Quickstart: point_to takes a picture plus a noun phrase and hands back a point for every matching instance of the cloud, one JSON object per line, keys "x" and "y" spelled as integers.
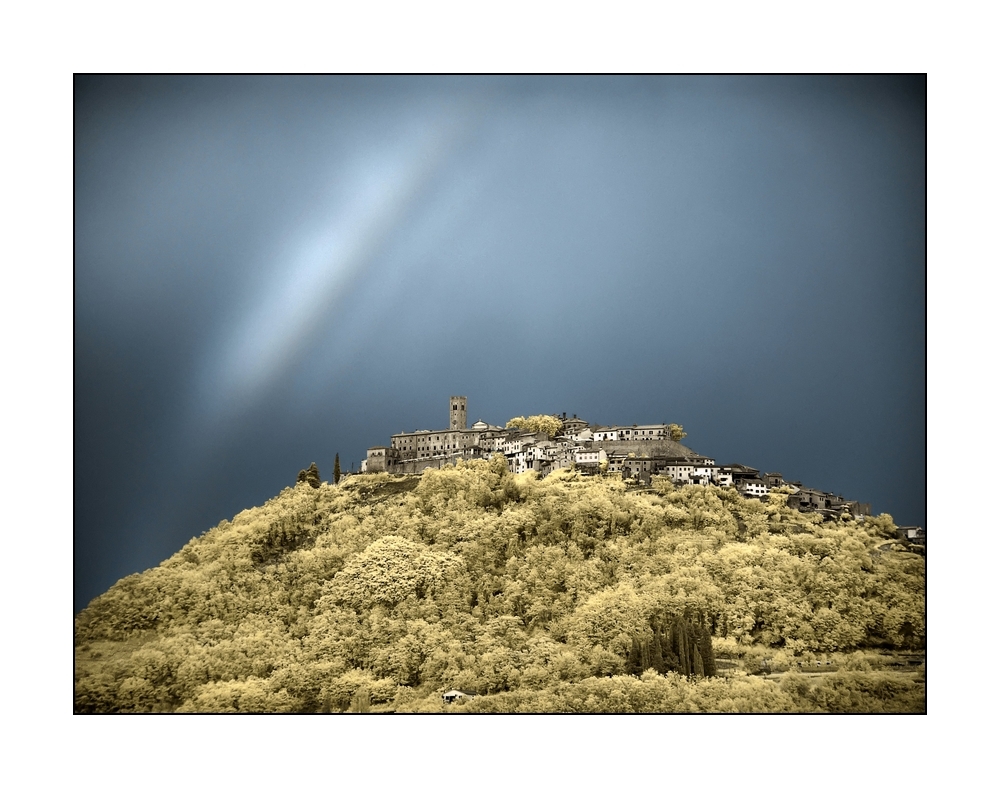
{"x": 319, "y": 268}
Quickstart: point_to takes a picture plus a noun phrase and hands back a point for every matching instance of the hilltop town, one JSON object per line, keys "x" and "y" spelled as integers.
{"x": 639, "y": 452}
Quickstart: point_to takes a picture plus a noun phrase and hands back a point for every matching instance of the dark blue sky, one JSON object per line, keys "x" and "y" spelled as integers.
{"x": 271, "y": 270}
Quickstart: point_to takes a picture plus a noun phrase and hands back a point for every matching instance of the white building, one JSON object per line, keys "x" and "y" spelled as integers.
{"x": 705, "y": 474}
{"x": 753, "y": 487}
{"x": 637, "y": 432}
{"x": 679, "y": 471}
{"x": 511, "y": 445}
{"x": 594, "y": 457}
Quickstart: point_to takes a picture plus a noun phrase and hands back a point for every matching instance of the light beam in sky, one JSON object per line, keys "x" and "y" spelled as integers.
{"x": 319, "y": 270}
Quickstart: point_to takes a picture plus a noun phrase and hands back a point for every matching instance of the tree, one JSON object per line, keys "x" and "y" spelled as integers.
{"x": 634, "y": 664}
{"x": 336, "y": 468}
{"x": 390, "y": 571}
{"x": 476, "y": 579}
{"x": 550, "y": 425}
{"x": 676, "y": 432}
{"x": 361, "y": 702}
{"x": 310, "y": 476}
{"x": 672, "y": 645}
{"x": 498, "y": 465}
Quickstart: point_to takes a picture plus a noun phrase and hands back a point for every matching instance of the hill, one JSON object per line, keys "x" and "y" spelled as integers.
{"x": 569, "y": 593}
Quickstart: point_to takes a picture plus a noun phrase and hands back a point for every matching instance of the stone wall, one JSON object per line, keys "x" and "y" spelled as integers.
{"x": 663, "y": 448}
{"x": 419, "y": 466}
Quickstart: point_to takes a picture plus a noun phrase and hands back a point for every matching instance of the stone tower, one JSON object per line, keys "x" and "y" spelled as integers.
{"x": 456, "y": 413}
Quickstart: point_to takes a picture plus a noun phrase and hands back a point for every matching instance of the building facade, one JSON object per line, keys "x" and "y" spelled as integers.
{"x": 638, "y": 452}
{"x": 457, "y": 413}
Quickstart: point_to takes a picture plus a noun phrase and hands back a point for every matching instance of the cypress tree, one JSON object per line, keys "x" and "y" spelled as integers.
{"x": 707, "y": 652}
{"x": 669, "y": 654}
{"x": 634, "y": 663}
{"x": 656, "y": 648}
{"x": 336, "y": 468}
{"x": 670, "y": 660}
{"x": 644, "y": 660}
{"x": 361, "y": 702}
{"x": 310, "y": 475}
{"x": 682, "y": 646}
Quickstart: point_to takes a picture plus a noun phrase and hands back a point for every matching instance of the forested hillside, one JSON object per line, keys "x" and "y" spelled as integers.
{"x": 564, "y": 594}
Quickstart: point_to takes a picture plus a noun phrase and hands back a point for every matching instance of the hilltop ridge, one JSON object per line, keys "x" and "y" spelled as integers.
{"x": 545, "y": 443}
{"x": 571, "y": 593}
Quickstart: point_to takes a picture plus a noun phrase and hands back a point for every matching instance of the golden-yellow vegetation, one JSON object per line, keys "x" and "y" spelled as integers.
{"x": 381, "y": 592}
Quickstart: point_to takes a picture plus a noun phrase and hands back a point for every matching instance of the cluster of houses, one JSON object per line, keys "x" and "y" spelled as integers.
{"x": 639, "y": 452}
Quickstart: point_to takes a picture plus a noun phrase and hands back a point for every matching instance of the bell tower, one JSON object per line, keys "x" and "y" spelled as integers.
{"x": 456, "y": 413}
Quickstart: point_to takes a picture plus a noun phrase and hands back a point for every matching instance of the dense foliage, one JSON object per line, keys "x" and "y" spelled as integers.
{"x": 676, "y": 432}
{"x": 310, "y": 476}
{"x": 550, "y": 425}
{"x": 564, "y": 594}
